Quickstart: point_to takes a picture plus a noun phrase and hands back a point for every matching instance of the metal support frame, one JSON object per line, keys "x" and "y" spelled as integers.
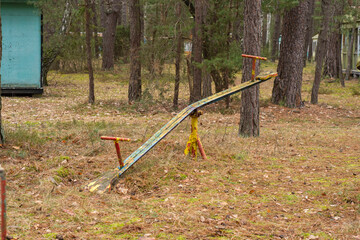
{"x": 254, "y": 58}
{"x": 117, "y": 147}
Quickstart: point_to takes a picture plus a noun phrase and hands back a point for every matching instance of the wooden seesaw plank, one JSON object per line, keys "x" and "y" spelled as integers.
{"x": 110, "y": 178}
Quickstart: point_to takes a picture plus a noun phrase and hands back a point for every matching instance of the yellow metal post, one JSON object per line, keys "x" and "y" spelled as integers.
{"x": 194, "y": 142}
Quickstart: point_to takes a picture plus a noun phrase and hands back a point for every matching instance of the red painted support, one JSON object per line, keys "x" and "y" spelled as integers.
{"x": 201, "y": 149}
{"x": 117, "y": 147}
{"x": 3, "y": 203}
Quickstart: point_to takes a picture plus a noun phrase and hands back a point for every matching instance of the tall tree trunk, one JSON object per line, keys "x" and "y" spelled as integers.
{"x": 152, "y": 65}
{"x": 327, "y": 12}
{"x": 249, "y": 112}
{"x": 111, "y": 14}
{"x": 237, "y": 33}
{"x": 332, "y": 65}
{"x": 88, "y": 51}
{"x": 275, "y": 37}
{"x": 124, "y": 13}
{"x": 142, "y": 24}
{"x": 206, "y": 81}
{"x": 350, "y": 53}
{"x": 135, "y": 44}
{"x": 287, "y": 86}
{"x": 339, "y": 61}
{"x": 178, "y": 57}
{"x": 197, "y": 51}
{"x": 102, "y": 13}
{"x": 1, "y": 127}
{"x": 95, "y": 28}
{"x": 309, "y": 32}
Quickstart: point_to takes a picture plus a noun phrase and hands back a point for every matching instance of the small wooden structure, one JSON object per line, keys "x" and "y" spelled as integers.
{"x": 21, "y": 45}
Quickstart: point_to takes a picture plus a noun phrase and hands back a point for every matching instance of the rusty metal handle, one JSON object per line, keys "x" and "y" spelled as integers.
{"x": 254, "y": 57}
{"x": 115, "y": 139}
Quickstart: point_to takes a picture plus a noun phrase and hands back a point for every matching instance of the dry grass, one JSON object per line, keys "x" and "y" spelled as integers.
{"x": 298, "y": 180}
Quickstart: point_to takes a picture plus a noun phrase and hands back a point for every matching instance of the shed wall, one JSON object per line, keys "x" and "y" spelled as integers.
{"x": 21, "y": 59}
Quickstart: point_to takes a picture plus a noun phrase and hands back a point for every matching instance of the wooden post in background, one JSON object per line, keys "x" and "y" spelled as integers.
{"x": 3, "y": 204}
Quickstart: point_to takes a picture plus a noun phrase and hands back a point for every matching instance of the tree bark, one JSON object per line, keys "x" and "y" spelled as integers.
{"x": 111, "y": 14}
{"x": 206, "y": 88}
{"x": 1, "y": 127}
{"x": 309, "y": 32}
{"x": 333, "y": 65}
{"x": 331, "y": 61}
{"x": 322, "y": 46}
{"x": 135, "y": 44}
{"x": 275, "y": 37}
{"x": 339, "y": 60}
{"x": 88, "y": 51}
{"x": 206, "y": 81}
{"x": 249, "y": 112}
{"x": 197, "y": 51}
{"x": 287, "y": 86}
{"x": 95, "y": 28}
{"x": 124, "y": 13}
{"x": 177, "y": 58}
{"x": 350, "y": 53}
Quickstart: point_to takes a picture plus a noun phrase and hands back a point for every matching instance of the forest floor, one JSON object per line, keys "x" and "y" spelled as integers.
{"x": 299, "y": 180}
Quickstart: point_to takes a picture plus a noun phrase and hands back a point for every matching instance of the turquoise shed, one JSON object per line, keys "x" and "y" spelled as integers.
{"x": 21, "y": 45}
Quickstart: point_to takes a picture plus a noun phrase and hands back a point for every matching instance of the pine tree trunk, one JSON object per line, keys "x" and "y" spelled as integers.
{"x": 95, "y": 29}
{"x": 275, "y": 38}
{"x": 350, "y": 53}
{"x": 88, "y": 51}
{"x": 109, "y": 35}
{"x": 249, "y": 112}
{"x": 322, "y": 47}
{"x": 330, "y": 63}
{"x": 124, "y": 13}
{"x": 339, "y": 61}
{"x": 333, "y": 64}
{"x": 287, "y": 86}
{"x": 1, "y": 127}
{"x": 152, "y": 65}
{"x": 309, "y": 32}
{"x": 177, "y": 59}
{"x": 206, "y": 88}
{"x": 206, "y": 81}
{"x": 197, "y": 52}
{"x": 135, "y": 45}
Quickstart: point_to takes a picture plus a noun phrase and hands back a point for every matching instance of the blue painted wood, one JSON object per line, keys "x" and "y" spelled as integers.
{"x": 21, "y": 59}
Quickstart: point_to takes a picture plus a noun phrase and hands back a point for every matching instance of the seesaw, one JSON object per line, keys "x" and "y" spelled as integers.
{"x": 110, "y": 178}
